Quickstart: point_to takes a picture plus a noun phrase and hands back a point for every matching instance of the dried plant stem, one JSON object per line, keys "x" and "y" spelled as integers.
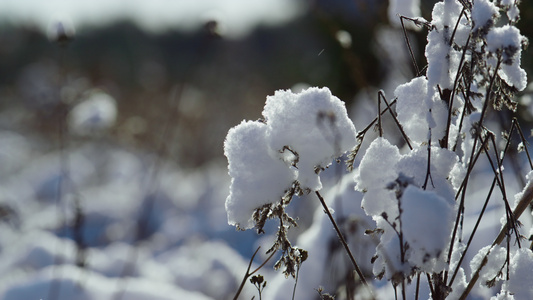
{"x": 381, "y": 97}
{"x": 450, "y": 101}
{"x": 295, "y": 281}
{"x": 524, "y": 141}
{"x": 248, "y": 273}
{"x": 343, "y": 241}
{"x": 463, "y": 254}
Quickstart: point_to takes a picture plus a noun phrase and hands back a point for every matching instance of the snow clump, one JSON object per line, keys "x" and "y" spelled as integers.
{"x": 300, "y": 135}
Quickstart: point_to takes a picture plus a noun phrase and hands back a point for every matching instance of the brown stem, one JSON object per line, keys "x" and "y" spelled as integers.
{"x": 248, "y": 273}
{"x": 343, "y": 241}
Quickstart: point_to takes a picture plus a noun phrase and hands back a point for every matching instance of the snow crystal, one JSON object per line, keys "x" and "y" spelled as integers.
{"x": 95, "y": 113}
{"x": 483, "y": 11}
{"x": 410, "y": 107}
{"x": 438, "y": 54}
{"x": 314, "y": 124}
{"x": 459, "y": 284}
{"x": 426, "y": 223}
{"x": 258, "y": 177}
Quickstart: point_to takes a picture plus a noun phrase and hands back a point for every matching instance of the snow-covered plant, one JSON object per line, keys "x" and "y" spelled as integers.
{"x": 419, "y": 193}
{"x": 280, "y": 156}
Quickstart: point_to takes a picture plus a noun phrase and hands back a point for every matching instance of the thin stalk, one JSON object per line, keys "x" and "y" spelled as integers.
{"x": 462, "y": 192}
{"x": 457, "y": 25}
{"x": 478, "y": 221}
{"x": 381, "y": 95}
{"x": 417, "y": 71}
{"x": 343, "y": 241}
{"x": 489, "y": 92}
{"x": 295, "y": 281}
{"x": 524, "y": 141}
{"x": 511, "y": 219}
{"x": 376, "y": 119}
{"x": 417, "y": 286}
{"x": 248, "y": 273}
{"x": 428, "y": 171}
{"x": 380, "y": 127}
{"x": 450, "y": 102}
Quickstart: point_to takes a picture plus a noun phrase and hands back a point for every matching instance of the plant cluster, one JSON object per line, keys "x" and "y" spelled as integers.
{"x": 419, "y": 193}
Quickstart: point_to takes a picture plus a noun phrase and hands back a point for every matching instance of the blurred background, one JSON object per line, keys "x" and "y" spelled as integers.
{"x": 113, "y": 116}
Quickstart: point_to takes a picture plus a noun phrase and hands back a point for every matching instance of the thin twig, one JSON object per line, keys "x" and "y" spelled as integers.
{"x": 380, "y": 126}
{"x": 462, "y": 192}
{"x": 295, "y": 281}
{"x": 450, "y": 101}
{"x": 413, "y": 59}
{"x": 381, "y": 95}
{"x": 248, "y": 273}
{"x": 456, "y": 26}
{"x": 524, "y": 141}
{"x": 428, "y": 171}
{"x": 343, "y": 241}
{"x": 472, "y": 234}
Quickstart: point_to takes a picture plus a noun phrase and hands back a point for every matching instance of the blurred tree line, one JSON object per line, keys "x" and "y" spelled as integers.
{"x": 198, "y": 83}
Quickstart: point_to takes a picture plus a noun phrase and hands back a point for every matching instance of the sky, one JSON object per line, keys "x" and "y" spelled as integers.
{"x": 236, "y": 17}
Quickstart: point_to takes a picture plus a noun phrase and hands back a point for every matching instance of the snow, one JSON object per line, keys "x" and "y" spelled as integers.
{"x": 66, "y": 280}
{"x": 188, "y": 250}
{"x": 520, "y": 274}
{"x": 322, "y": 117}
{"x": 424, "y": 216}
{"x": 258, "y": 176}
{"x": 382, "y": 156}
{"x": 483, "y": 13}
{"x": 426, "y": 223}
{"x": 327, "y": 262}
{"x": 412, "y": 104}
{"x": 508, "y": 40}
{"x": 496, "y": 259}
{"x": 442, "y": 59}
{"x": 527, "y": 188}
{"x": 513, "y": 13}
{"x": 265, "y": 158}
